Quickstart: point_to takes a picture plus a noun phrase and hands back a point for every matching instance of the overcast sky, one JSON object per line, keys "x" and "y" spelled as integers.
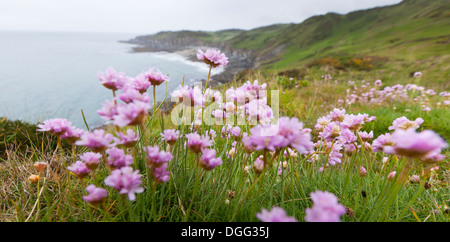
{"x": 151, "y": 16}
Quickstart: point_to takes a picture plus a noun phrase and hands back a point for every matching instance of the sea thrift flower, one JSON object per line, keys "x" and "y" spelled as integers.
{"x": 277, "y": 214}
{"x": 213, "y": 57}
{"x": 161, "y": 174}
{"x": 79, "y": 169}
{"x": 40, "y": 166}
{"x": 196, "y": 142}
{"x": 382, "y": 141}
{"x": 156, "y": 158}
{"x": 72, "y": 134}
{"x": 140, "y": 83}
{"x": 155, "y": 77}
{"x": 258, "y": 165}
{"x": 170, "y": 136}
{"x": 415, "y": 179}
{"x": 126, "y": 181}
{"x": 57, "y": 126}
{"x": 391, "y": 175}
{"x": 34, "y": 178}
{"x": 366, "y": 136}
{"x": 108, "y": 111}
{"x": 413, "y": 144}
{"x": 290, "y": 130}
{"x": 117, "y": 158}
{"x": 378, "y": 83}
{"x": 128, "y": 140}
{"x": 188, "y": 96}
{"x": 362, "y": 171}
{"x": 111, "y": 79}
{"x": 96, "y": 140}
{"x": 96, "y": 196}
{"x": 337, "y": 115}
{"x": 208, "y": 160}
{"x": 404, "y": 123}
{"x": 325, "y": 208}
{"x": 264, "y": 138}
{"x": 133, "y": 113}
{"x": 130, "y": 94}
{"x": 417, "y": 74}
{"x": 91, "y": 160}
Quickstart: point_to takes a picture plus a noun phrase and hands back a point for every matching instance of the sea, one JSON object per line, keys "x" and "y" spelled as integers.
{"x": 46, "y": 75}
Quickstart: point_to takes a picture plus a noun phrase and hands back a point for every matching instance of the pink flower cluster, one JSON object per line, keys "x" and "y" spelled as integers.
{"x": 213, "y": 57}
{"x": 277, "y": 214}
{"x": 325, "y": 208}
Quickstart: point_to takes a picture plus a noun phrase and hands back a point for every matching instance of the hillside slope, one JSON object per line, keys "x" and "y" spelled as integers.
{"x": 412, "y": 35}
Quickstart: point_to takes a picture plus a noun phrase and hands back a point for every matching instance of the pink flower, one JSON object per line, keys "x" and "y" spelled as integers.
{"x": 96, "y": 140}
{"x": 196, "y": 142}
{"x": 156, "y": 158}
{"x": 213, "y": 57}
{"x": 130, "y": 94}
{"x": 378, "y": 83}
{"x": 161, "y": 174}
{"x": 413, "y": 144}
{"x": 91, "y": 160}
{"x": 391, "y": 175}
{"x": 96, "y": 195}
{"x": 79, "y": 169}
{"x": 117, "y": 158}
{"x": 258, "y": 165}
{"x": 109, "y": 109}
{"x": 72, "y": 134}
{"x": 404, "y": 123}
{"x": 325, "y": 208}
{"x": 57, "y": 126}
{"x": 382, "y": 141}
{"x": 362, "y": 171}
{"x": 277, "y": 214}
{"x": 133, "y": 113}
{"x": 170, "y": 136}
{"x": 208, "y": 160}
{"x": 140, "y": 83}
{"x": 111, "y": 79}
{"x": 126, "y": 181}
{"x": 155, "y": 77}
{"x": 128, "y": 140}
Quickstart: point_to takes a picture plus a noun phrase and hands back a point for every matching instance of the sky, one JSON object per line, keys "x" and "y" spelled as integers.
{"x": 151, "y": 16}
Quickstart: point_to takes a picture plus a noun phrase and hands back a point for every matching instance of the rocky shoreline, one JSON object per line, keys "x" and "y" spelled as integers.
{"x": 239, "y": 60}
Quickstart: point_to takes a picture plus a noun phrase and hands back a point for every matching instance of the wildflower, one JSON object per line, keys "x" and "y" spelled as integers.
{"x": 213, "y": 57}
{"x": 337, "y": 115}
{"x": 231, "y": 153}
{"x": 130, "y": 94}
{"x": 96, "y": 195}
{"x": 196, "y": 142}
{"x": 40, "y": 166}
{"x": 415, "y": 179}
{"x": 155, "y": 77}
{"x": 161, "y": 174}
{"x": 384, "y": 140}
{"x": 72, "y": 134}
{"x": 325, "y": 208}
{"x": 91, "y": 160}
{"x": 133, "y": 113}
{"x": 353, "y": 122}
{"x": 290, "y": 129}
{"x": 57, "y": 126}
{"x": 264, "y": 138}
{"x": 404, "y": 123}
{"x": 426, "y": 109}
{"x": 417, "y": 74}
{"x": 208, "y": 160}
{"x": 391, "y": 175}
{"x": 277, "y": 214}
{"x": 259, "y": 165}
{"x": 413, "y": 144}
{"x": 378, "y": 83}
{"x": 96, "y": 140}
{"x": 126, "y": 181}
{"x": 156, "y": 158}
{"x": 140, "y": 83}
{"x": 112, "y": 79}
{"x": 128, "y": 140}
{"x": 366, "y": 136}
{"x": 34, "y": 178}
{"x": 79, "y": 169}
{"x": 117, "y": 158}
{"x": 108, "y": 111}
{"x": 362, "y": 171}
{"x": 170, "y": 136}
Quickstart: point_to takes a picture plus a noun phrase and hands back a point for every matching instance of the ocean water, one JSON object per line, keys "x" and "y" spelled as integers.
{"x": 48, "y": 75}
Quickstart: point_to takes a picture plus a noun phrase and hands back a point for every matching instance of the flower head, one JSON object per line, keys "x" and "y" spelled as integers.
{"x": 96, "y": 140}
{"x": 79, "y": 169}
{"x": 325, "y": 209}
{"x": 133, "y": 113}
{"x": 91, "y": 160}
{"x": 126, "y": 181}
{"x": 155, "y": 77}
{"x": 277, "y": 214}
{"x": 208, "y": 160}
{"x": 57, "y": 126}
{"x": 117, "y": 158}
{"x": 170, "y": 136}
{"x": 213, "y": 57}
{"x": 96, "y": 195}
{"x": 112, "y": 79}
